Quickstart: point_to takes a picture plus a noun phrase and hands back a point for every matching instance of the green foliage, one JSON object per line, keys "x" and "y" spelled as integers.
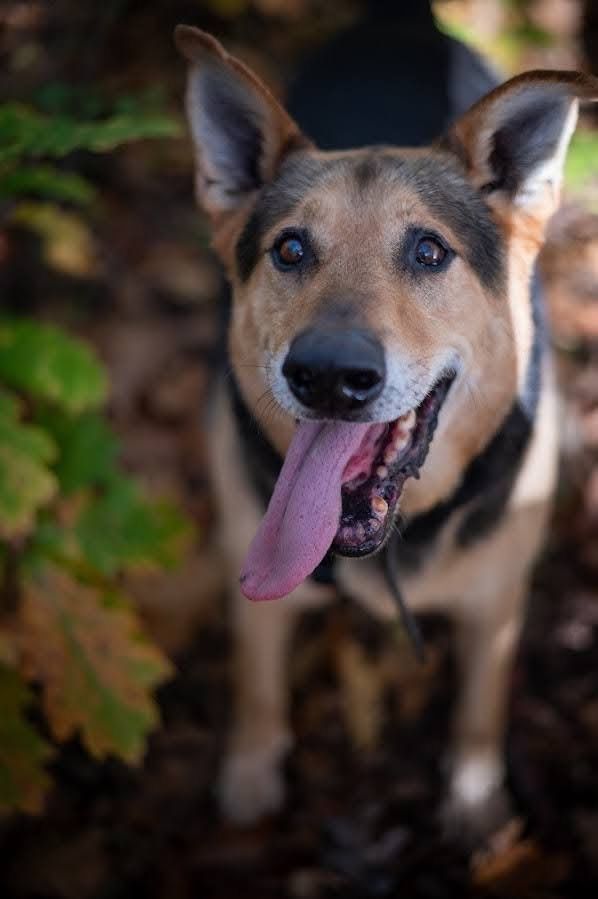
{"x": 48, "y": 365}
{"x": 47, "y": 182}
{"x": 26, "y": 482}
{"x": 70, "y": 525}
{"x": 26, "y": 133}
{"x": 68, "y": 121}
{"x": 23, "y": 780}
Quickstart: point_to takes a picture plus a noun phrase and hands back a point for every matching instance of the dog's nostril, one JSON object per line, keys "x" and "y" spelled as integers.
{"x": 361, "y": 379}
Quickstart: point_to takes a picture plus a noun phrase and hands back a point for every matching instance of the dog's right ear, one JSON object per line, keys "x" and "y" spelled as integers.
{"x": 241, "y": 133}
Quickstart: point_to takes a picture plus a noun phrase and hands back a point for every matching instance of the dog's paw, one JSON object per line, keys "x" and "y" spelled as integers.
{"x": 251, "y": 783}
{"x": 478, "y": 804}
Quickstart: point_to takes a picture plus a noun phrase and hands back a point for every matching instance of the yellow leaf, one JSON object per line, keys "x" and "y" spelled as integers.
{"x": 67, "y": 241}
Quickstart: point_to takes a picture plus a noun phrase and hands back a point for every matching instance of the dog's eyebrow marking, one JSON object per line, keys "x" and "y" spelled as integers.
{"x": 298, "y": 175}
{"x": 368, "y": 168}
{"x": 445, "y": 191}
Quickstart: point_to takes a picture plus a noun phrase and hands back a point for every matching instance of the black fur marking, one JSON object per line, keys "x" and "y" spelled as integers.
{"x": 528, "y": 137}
{"x": 367, "y": 170}
{"x": 298, "y": 174}
{"x": 445, "y": 190}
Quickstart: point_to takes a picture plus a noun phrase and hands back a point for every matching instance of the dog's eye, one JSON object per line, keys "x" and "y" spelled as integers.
{"x": 430, "y": 252}
{"x": 288, "y": 251}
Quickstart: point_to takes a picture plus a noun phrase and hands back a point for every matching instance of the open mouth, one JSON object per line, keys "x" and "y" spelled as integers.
{"x": 374, "y": 479}
{"x": 338, "y": 490}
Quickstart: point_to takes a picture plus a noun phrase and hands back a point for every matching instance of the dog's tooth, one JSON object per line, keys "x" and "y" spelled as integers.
{"x": 360, "y": 532}
{"x": 390, "y": 455}
{"x": 379, "y": 506}
{"x": 382, "y": 471}
{"x": 401, "y": 441}
{"x": 374, "y": 524}
{"x": 408, "y": 419}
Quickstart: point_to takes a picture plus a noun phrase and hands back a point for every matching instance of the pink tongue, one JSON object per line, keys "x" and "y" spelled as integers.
{"x": 303, "y": 516}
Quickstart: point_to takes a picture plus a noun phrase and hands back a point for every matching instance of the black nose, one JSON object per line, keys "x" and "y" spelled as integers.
{"x": 335, "y": 371}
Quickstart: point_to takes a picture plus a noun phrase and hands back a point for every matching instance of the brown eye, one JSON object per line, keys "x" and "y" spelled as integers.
{"x": 288, "y": 252}
{"x": 430, "y": 252}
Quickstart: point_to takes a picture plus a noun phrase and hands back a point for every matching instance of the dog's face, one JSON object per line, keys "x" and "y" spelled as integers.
{"x": 386, "y": 288}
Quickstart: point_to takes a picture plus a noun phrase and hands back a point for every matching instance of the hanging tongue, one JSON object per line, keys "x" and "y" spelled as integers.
{"x": 303, "y": 516}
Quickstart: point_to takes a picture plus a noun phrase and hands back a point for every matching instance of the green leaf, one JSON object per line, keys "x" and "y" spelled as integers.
{"x": 122, "y": 530}
{"x": 50, "y": 365}
{"x": 47, "y": 182}
{"x": 26, "y": 483}
{"x": 24, "y": 132}
{"x": 95, "y": 667}
{"x": 23, "y": 753}
{"x": 87, "y": 448}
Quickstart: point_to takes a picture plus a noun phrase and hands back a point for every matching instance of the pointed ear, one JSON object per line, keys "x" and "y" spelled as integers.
{"x": 514, "y": 141}
{"x": 240, "y": 132}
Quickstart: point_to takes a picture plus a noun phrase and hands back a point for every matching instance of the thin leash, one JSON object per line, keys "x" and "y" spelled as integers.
{"x": 391, "y": 573}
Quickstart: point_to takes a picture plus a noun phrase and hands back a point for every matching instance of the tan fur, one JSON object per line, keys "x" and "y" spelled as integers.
{"x": 483, "y": 586}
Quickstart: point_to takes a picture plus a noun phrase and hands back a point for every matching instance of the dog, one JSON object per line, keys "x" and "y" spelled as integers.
{"x": 390, "y": 372}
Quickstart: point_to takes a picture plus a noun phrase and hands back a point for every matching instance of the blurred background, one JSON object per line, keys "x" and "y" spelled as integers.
{"x": 114, "y": 644}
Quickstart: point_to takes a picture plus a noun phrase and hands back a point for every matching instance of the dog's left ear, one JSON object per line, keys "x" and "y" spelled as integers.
{"x": 514, "y": 141}
{"x": 240, "y": 132}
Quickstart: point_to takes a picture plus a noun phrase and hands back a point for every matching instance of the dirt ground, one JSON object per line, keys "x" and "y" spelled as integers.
{"x": 365, "y": 775}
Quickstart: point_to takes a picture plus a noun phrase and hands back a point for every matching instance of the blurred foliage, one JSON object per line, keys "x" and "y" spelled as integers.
{"x": 581, "y": 168}
{"x": 71, "y": 523}
{"x": 28, "y": 135}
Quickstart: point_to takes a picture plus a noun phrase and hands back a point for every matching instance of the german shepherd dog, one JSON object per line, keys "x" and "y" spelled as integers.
{"x": 391, "y": 410}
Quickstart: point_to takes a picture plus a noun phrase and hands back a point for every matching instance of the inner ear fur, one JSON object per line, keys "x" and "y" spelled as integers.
{"x": 240, "y": 132}
{"x": 513, "y": 142}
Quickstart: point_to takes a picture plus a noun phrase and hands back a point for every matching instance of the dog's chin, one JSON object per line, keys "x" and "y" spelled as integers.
{"x": 370, "y": 495}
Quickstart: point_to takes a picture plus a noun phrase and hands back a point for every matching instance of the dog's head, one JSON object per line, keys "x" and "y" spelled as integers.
{"x": 379, "y": 295}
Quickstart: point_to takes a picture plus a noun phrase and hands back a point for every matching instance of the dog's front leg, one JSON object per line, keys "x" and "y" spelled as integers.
{"x": 251, "y": 782}
{"x": 487, "y": 635}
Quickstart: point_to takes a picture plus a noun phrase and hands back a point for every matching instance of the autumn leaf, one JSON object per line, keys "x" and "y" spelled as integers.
{"x": 523, "y": 871}
{"x": 23, "y": 753}
{"x": 94, "y": 666}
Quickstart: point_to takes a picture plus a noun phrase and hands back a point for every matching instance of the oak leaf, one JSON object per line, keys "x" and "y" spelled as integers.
{"x": 95, "y": 668}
